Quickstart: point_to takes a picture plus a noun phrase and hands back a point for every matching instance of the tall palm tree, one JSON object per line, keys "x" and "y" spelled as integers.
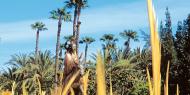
{"x": 109, "y": 40}
{"x": 109, "y": 46}
{"x": 59, "y": 14}
{"x": 39, "y": 26}
{"x": 72, "y": 4}
{"x": 128, "y": 35}
{"x": 86, "y": 41}
{"x": 77, "y": 5}
{"x": 81, "y": 4}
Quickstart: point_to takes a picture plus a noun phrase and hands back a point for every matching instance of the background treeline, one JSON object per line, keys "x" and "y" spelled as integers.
{"x": 176, "y": 49}
{"x": 175, "y": 46}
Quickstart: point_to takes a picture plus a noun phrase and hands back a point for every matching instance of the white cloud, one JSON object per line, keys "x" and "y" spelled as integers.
{"x": 21, "y": 31}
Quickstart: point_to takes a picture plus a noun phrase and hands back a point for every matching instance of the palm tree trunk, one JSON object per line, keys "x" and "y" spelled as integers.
{"x": 77, "y": 41}
{"x": 37, "y": 41}
{"x": 86, "y": 50}
{"x": 57, "y": 52}
{"x": 74, "y": 22}
{"x": 78, "y": 30}
{"x": 127, "y": 49}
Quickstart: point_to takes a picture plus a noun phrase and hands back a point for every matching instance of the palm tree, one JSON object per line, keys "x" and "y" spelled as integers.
{"x": 109, "y": 40}
{"x": 42, "y": 71}
{"x": 59, "y": 14}
{"x": 26, "y": 71}
{"x": 68, "y": 38}
{"x": 128, "y": 35}
{"x": 19, "y": 60}
{"x": 39, "y": 26}
{"x": 146, "y": 38}
{"x": 71, "y": 4}
{"x": 81, "y": 4}
{"x": 109, "y": 46}
{"x": 78, "y": 5}
{"x": 86, "y": 41}
{"x": 8, "y": 78}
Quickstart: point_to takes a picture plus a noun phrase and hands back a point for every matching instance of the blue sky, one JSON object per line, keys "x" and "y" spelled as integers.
{"x": 102, "y": 16}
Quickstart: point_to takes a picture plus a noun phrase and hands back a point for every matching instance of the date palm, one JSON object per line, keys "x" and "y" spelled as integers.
{"x": 26, "y": 71}
{"x": 87, "y": 41}
{"x": 146, "y": 38}
{"x": 68, "y": 38}
{"x": 77, "y": 5}
{"x": 8, "y": 78}
{"x": 59, "y": 14}
{"x": 42, "y": 71}
{"x": 39, "y": 26}
{"x": 109, "y": 40}
{"x": 109, "y": 46}
{"x": 128, "y": 35}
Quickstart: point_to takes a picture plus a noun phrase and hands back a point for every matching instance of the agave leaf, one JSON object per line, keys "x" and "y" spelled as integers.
{"x": 156, "y": 56}
{"x": 43, "y": 92}
{"x": 149, "y": 81}
{"x": 85, "y": 82}
{"x": 100, "y": 76}
{"x": 111, "y": 91}
{"x": 70, "y": 82}
{"x": 177, "y": 92}
{"x": 166, "y": 81}
{"x": 72, "y": 91}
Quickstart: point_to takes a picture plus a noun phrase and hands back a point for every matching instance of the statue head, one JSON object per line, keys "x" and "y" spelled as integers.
{"x": 70, "y": 45}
